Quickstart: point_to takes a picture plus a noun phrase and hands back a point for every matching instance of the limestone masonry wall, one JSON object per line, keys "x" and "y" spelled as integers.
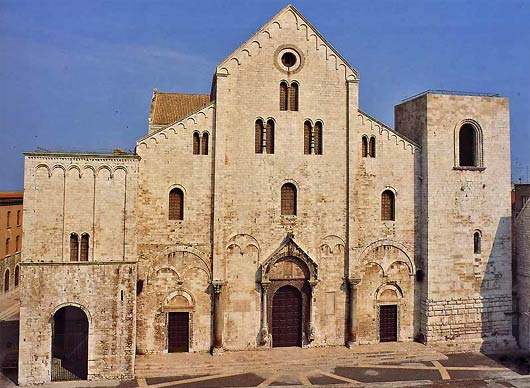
{"x": 79, "y": 193}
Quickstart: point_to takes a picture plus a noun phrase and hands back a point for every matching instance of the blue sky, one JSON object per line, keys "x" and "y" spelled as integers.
{"x": 78, "y": 75}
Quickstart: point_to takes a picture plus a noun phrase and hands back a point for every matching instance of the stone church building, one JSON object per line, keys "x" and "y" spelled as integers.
{"x": 271, "y": 212}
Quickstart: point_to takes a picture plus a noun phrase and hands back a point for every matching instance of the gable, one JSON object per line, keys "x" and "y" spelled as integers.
{"x": 287, "y": 17}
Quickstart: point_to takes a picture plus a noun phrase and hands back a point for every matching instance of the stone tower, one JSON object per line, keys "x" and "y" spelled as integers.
{"x": 464, "y": 215}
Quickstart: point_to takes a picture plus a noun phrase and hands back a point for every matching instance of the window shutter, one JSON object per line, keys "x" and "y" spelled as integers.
{"x": 283, "y": 96}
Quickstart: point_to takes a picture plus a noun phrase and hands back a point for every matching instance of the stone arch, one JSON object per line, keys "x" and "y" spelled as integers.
{"x": 478, "y": 146}
{"x": 384, "y": 288}
{"x": 290, "y": 250}
{"x": 242, "y": 241}
{"x": 73, "y": 304}
{"x": 180, "y": 299}
{"x": 385, "y": 263}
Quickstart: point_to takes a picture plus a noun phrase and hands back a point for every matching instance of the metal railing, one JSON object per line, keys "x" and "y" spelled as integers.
{"x": 451, "y": 93}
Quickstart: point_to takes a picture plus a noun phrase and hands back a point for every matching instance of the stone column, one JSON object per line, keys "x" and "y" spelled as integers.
{"x": 352, "y": 326}
{"x": 264, "y": 329}
{"x": 217, "y": 318}
{"x": 311, "y": 337}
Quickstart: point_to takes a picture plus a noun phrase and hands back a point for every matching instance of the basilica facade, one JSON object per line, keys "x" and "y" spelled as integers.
{"x": 271, "y": 212}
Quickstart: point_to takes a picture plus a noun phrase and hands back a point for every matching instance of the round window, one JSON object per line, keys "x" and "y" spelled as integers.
{"x": 288, "y": 59}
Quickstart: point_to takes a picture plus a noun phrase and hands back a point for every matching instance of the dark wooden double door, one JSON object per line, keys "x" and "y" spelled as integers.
{"x": 287, "y": 317}
{"x": 178, "y": 332}
{"x": 388, "y": 321}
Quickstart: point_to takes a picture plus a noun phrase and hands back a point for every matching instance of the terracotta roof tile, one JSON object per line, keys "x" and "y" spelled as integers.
{"x": 167, "y": 108}
{"x": 11, "y": 195}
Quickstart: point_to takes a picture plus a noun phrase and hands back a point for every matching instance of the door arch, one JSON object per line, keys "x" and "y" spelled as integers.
{"x": 287, "y": 317}
{"x": 69, "y": 344}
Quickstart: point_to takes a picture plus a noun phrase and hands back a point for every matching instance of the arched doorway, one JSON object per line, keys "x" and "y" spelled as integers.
{"x": 288, "y": 279}
{"x": 69, "y": 344}
{"x": 287, "y": 317}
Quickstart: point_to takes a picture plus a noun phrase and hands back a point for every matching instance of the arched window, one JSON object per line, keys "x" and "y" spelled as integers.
{"x": 8, "y": 219}
{"x": 258, "y": 133}
{"x": 18, "y": 218}
{"x": 284, "y": 96}
{"x": 288, "y": 200}
{"x": 17, "y": 244}
{"x": 204, "y": 144}
{"x": 477, "y": 242}
{"x": 17, "y": 275}
{"x": 269, "y": 136}
{"x": 308, "y": 131}
{"x": 85, "y": 241}
{"x": 467, "y": 141}
{"x": 6, "y": 280}
{"x": 7, "y": 246}
{"x": 176, "y": 204}
{"x": 364, "y": 146}
{"x": 317, "y": 133}
{"x": 388, "y": 206}
{"x": 196, "y": 143}
{"x": 293, "y": 96}
{"x": 372, "y": 147}
{"x": 74, "y": 247}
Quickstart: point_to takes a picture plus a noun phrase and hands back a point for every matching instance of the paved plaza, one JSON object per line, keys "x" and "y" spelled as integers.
{"x": 381, "y": 365}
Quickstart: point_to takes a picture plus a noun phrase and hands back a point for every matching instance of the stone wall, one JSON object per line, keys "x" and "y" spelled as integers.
{"x": 458, "y": 202}
{"x": 175, "y": 255}
{"x": 97, "y": 288}
{"x": 79, "y": 193}
{"x": 522, "y": 246}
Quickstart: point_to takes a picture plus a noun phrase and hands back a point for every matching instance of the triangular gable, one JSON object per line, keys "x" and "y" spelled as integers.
{"x": 289, "y": 248}
{"x": 254, "y": 44}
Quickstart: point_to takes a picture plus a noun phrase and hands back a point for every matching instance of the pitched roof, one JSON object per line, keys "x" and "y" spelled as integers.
{"x": 167, "y": 108}
{"x": 11, "y": 194}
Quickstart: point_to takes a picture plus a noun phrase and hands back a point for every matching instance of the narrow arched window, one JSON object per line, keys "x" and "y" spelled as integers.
{"x": 6, "y": 281}
{"x": 8, "y": 219}
{"x": 176, "y": 204}
{"x": 467, "y": 141}
{"x": 17, "y": 275}
{"x": 317, "y": 133}
{"x": 308, "y": 131}
{"x": 7, "y": 246}
{"x": 74, "y": 247}
{"x": 258, "y": 139}
{"x": 269, "y": 136}
{"x": 372, "y": 147}
{"x": 85, "y": 242}
{"x": 476, "y": 242}
{"x": 284, "y": 98}
{"x": 293, "y": 96}
{"x": 17, "y": 244}
{"x": 18, "y": 218}
{"x": 196, "y": 143}
{"x": 364, "y": 146}
{"x": 288, "y": 200}
{"x": 388, "y": 206}
{"x": 204, "y": 143}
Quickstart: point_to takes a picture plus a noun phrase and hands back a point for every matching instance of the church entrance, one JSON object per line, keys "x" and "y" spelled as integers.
{"x": 178, "y": 332}
{"x": 287, "y": 317}
{"x": 69, "y": 344}
{"x": 388, "y": 323}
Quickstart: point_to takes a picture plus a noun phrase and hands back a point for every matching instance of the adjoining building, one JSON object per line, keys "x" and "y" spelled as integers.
{"x": 521, "y": 235}
{"x": 11, "y": 239}
{"x": 11, "y": 213}
{"x": 272, "y": 212}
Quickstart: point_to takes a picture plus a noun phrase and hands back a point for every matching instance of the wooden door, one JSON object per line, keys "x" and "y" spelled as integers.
{"x": 388, "y": 323}
{"x": 287, "y": 317}
{"x": 178, "y": 332}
